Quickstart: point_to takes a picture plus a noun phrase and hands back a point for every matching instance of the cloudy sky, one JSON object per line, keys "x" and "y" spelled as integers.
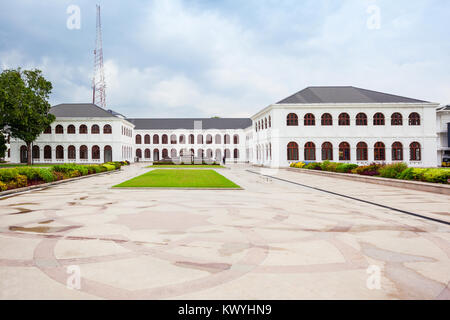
{"x": 202, "y": 58}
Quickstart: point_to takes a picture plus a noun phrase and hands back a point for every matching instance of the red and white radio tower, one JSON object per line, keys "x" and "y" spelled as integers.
{"x": 98, "y": 82}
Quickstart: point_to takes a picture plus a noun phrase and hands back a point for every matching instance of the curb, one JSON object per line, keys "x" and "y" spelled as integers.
{"x": 405, "y": 184}
{"x": 50, "y": 184}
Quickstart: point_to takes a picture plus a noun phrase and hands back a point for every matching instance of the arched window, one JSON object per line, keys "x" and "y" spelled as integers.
{"x": 227, "y": 154}
{"x": 292, "y": 119}
{"x": 292, "y": 151}
{"x": 95, "y": 129}
{"x": 182, "y": 139}
{"x": 147, "y": 153}
{"x": 209, "y": 154}
{"x": 200, "y": 153}
{"x": 147, "y": 139}
{"x": 309, "y": 120}
{"x": 36, "y": 152}
{"x": 165, "y": 154}
{"x": 209, "y": 139}
{"x": 59, "y": 129}
{"x": 227, "y": 139}
{"x": 396, "y": 119}
{"x": 173, "y": 153}
{"x": 48, "y": 130}
{"x": 415, "y": 153}
{"x": 414, "y": 119}
{"x": 47, "y": 152}
{"x": 59, "y": 152}
{"x": 71, "y": 154}
{"x": 344, "y": 151}
{"x": 265, "y": 123}
{"x": 378, "y": 119}
{"x": 95, "y": 152}
{"x": 270, "y": 122}
{"x": 107, "y": 129}
{"x": 155, "y": 139}
{"x": 173, "y": 139}
{"x": 191, "y": 139}
{"x": 344, "y": 119}
{"x": 71, "y": 129}
{"x": 327, "y": 151}
{"x": 139, "y": 153}
{"x": 236, "y": 139}
{"x": 310, "y": 151}
{"x": 138, "y": 139}
{"x": 361, "y": 119}
{"x": 83, "y": 129}
{"x": 236, "y": 153}
{"x": 218, "y": 139}
{"x": 107, "y": 154}
{"x": 361, "y": 151}
{"x": 165, "y": 139}
{"x": 218, "y": 155}
{"x": 155, "y": 155}
{"x": 200, "y": 139}
{"x": 83, "y": 152}
{"x": 379, "y": 152}
{"x": 327, "y": 119}
{"x": 397, "y": 151}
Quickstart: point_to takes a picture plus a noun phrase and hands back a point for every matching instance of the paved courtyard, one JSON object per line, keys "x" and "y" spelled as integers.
{"x": 273, "y": 240}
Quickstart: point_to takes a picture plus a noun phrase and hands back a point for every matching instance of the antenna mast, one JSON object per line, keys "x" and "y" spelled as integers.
{"x": 98, "y": 82}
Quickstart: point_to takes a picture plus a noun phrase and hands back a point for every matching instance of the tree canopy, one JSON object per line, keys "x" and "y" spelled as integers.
{"x": 24, "y": 106}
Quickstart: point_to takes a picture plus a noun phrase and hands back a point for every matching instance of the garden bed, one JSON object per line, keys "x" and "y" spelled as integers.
{"x": 28, "y": 176}
{"x": 398, "y": 171}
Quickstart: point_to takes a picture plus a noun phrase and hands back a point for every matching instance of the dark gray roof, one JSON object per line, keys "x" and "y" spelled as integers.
{"x": 344, "y": 95}
{"x": 188, "y": 124}
{"x": 444, "y": 108}
{"x": 80, "y": 110}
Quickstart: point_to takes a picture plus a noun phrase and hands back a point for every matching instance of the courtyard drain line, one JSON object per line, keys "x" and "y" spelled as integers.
{"x": 356, "y": 199}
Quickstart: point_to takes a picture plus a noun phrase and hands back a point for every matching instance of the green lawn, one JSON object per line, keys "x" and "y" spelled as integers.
{"x": 179, "y": 179}
{"x": 174, "y": 166}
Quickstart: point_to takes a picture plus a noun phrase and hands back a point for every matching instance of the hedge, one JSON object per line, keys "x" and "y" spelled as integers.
{"x": 393, "y": 171}
{"x": 11, "y": 178}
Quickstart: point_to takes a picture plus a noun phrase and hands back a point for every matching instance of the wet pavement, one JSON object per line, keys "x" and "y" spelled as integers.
{"x": 272, "y": 240}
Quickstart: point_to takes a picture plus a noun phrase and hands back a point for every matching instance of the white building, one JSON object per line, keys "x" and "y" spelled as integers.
{"x": 342, "y": 124}
{"x": 345, "y": 124}
{"x": 442, "y": 127}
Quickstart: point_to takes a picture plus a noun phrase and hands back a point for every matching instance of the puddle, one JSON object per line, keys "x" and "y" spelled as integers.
{"x": 42, "y": 229}
{"x": 21, "y": 211}
{"x": 32, "y": 229}
{"x": 209, "y": 267}
{"x": 229, "y": 249}
{"x": 45, "y": 222}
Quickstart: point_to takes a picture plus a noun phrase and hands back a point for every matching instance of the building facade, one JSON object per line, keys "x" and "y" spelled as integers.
{"x": 341, "y": 124}
{"x": 442, "y": 128}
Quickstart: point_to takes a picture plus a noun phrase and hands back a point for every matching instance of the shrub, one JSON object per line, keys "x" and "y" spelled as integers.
{"x": 313, "y": 166}
{"x": 21, "y": 181}
{"x": 11, "y": 184}
{"x": 30, "y": 173}
{"x": 299, "y": 165}
{"x": 370, "y": 170}
{"x": 346, "y": 167}
{"x": 437, "y": 175}
{"x": 392, "y": 170}
{"x": 57, "y": 176}
{"x": 46, "y": 175}
{"x": 109, "y": 167}
{"x": 3, "y": 186}
{"x": 7, "y": 175}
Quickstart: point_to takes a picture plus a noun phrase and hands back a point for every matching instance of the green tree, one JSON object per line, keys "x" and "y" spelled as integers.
{"x": 24, "y": 105}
